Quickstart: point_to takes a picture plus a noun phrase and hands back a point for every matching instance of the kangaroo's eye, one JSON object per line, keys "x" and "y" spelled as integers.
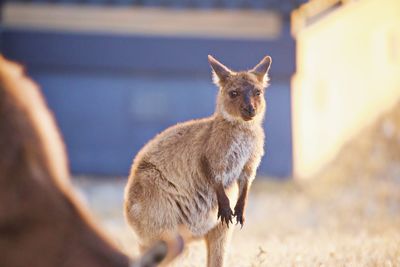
{"x": 233, "y": 94}
{"x": 258, "y": 92}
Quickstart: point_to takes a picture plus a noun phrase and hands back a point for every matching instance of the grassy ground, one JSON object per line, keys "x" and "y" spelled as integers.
{"x": 354, "y": 223}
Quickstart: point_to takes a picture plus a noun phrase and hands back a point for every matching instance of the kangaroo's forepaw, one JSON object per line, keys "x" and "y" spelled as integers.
{"x": 226, "y": 215}
{"x": 239, "y": 216}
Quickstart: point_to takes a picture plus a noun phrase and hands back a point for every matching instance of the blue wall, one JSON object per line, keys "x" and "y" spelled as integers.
{"x": 112, "y": 93}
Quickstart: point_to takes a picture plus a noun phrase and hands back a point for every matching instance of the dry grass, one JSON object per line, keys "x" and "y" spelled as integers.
{"x": 290, "y": 224}
{"x": 347, "y": 216}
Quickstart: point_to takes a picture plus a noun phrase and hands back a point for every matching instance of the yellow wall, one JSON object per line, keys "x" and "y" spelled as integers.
{"x": 348, "y": 73}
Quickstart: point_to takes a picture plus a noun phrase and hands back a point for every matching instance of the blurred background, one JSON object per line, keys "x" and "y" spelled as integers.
{"x": 115, "y": 73}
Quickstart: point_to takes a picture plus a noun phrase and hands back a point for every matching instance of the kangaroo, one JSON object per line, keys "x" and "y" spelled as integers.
{"x": 41, "y": 223}
{"x": 186, "y": 175}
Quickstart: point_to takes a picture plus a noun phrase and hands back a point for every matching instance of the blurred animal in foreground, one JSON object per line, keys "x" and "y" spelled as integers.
{"x": 190, "y": 174}
{"x": 41, "y": 223}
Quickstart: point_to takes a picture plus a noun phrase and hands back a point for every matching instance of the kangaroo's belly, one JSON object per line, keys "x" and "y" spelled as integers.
{"x": 193, "y": 197}
{"x": 163, "y": 199}
{"x": 204, "y": 220}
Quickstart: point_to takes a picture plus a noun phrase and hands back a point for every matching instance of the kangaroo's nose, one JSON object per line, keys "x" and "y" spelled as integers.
{"x": 250, "y": 111}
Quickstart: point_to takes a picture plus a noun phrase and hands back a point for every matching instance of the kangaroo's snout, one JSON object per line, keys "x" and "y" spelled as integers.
{"x": 248, "y": 112}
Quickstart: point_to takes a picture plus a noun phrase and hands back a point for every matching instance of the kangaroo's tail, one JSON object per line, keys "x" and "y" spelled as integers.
{"x": 162, "y": 252}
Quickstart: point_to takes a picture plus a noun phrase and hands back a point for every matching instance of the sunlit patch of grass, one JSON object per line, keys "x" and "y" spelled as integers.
{"x": 354, "y": 223}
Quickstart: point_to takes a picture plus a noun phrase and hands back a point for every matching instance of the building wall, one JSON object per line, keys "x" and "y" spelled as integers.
{"x": 113, "y": 91}
{"x": 348, "y": 73}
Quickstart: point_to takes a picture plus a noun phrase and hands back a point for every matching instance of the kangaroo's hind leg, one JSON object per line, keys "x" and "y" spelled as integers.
{"x": 149, "y": 208}
{"x": 217, "y": 241}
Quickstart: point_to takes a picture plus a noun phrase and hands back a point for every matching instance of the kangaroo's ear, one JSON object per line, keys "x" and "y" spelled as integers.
{"x": 261, "y": 70}
{"x": 220, "y": 72}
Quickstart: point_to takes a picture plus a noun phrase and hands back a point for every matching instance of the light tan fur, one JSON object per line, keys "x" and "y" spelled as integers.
{"x": 187, "y": 175}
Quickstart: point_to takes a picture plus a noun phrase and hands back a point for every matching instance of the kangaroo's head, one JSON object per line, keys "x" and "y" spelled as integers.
{"x": 241, "y": 94}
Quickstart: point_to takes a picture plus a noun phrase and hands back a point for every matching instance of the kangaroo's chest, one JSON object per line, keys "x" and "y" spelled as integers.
{"x": 236, "y": 155}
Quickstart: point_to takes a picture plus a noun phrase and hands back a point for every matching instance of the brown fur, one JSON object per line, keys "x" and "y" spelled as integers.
{"x": 186, "y": 174}
{"x": 41, "y": 224}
